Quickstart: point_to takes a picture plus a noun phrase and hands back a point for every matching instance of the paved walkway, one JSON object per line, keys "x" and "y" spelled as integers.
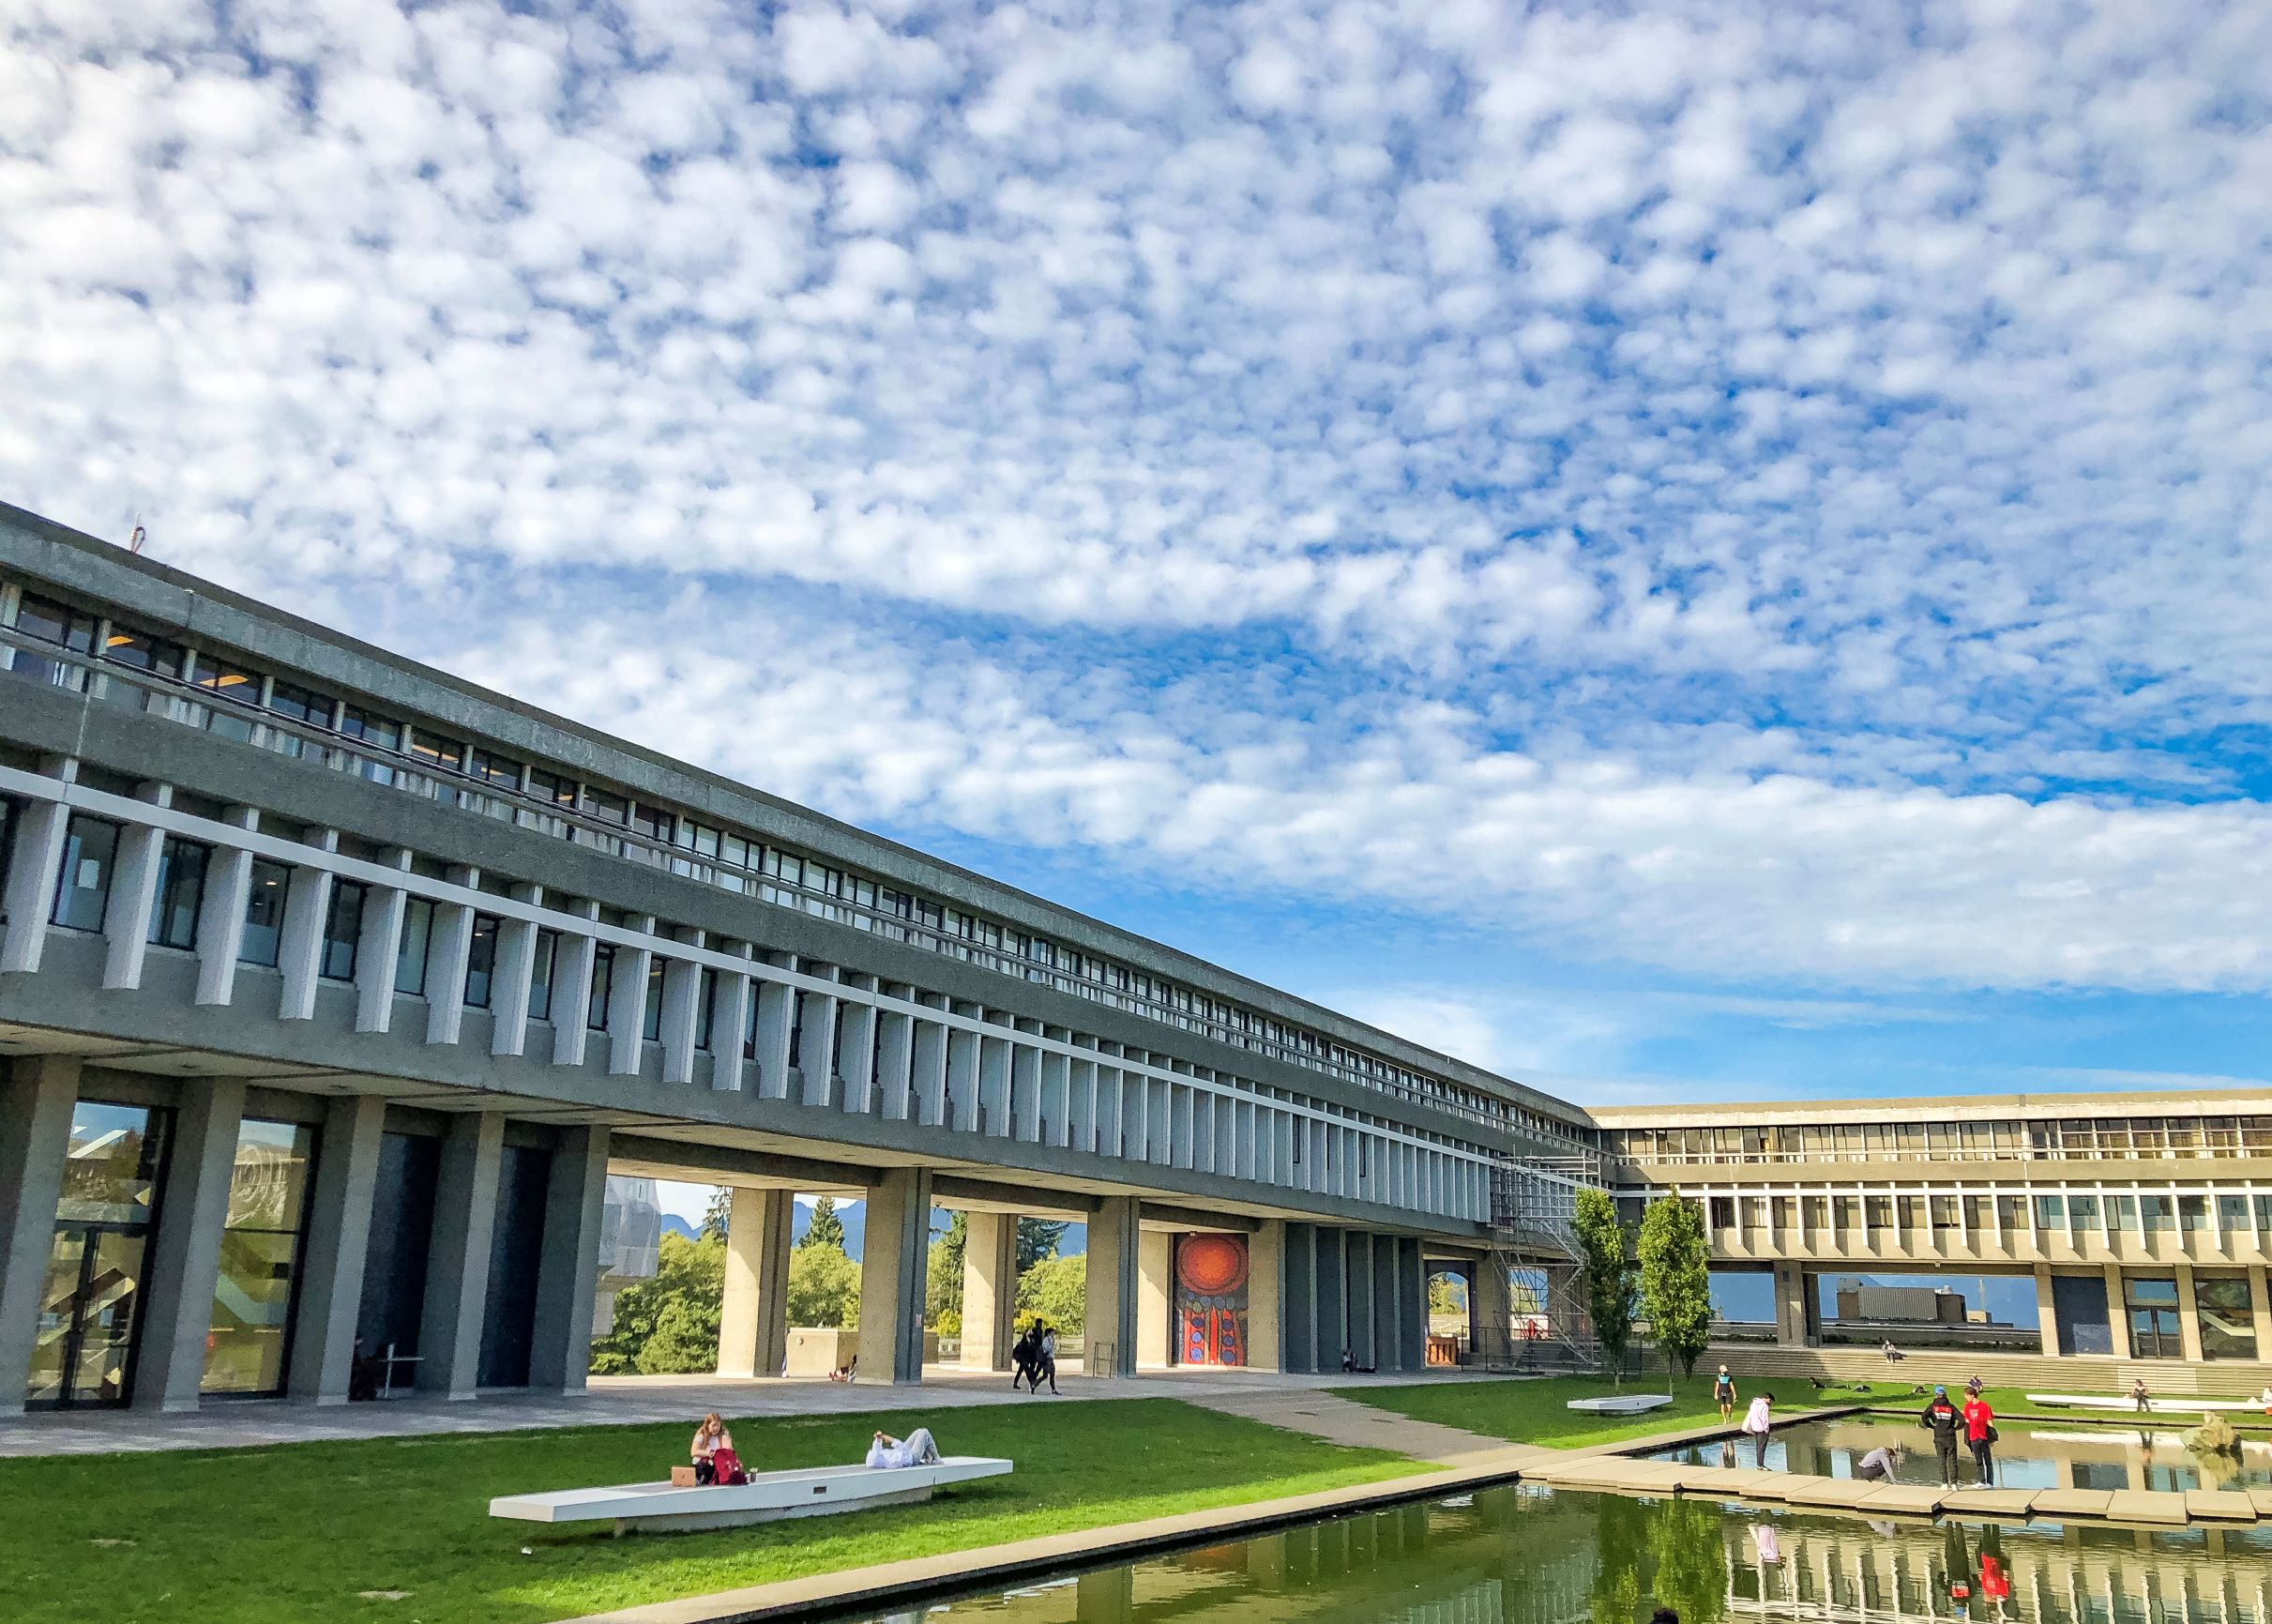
{"x": 1337, "y": 1420}
{"x": 616, "y": 1400}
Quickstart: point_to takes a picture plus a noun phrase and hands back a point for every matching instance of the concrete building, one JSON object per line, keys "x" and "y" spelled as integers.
{"x": 333, "y": 989}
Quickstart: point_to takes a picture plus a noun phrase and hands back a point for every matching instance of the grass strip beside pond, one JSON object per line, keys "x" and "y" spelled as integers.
{"x": 397, "y": 1529}
{"x": 1537, "y": 1411}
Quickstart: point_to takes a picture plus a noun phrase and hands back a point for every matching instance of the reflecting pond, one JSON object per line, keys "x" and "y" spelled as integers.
{"x": 2028, "y": 1456}
{"x": 1519, "y": 1555}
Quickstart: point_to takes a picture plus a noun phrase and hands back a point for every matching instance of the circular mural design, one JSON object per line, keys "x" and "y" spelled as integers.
{"x": 1211, "y": 1265}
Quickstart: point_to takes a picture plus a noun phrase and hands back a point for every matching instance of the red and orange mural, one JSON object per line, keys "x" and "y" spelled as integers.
{"x": 1211, "y": 1299}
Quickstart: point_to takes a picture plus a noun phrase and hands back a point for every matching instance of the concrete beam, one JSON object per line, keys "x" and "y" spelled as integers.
{"x": 1161, "y": 1215}
{"x": 727, "y": 1164}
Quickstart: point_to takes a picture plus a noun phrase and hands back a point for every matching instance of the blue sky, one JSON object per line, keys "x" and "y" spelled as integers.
{"x": 1673, "y": 551}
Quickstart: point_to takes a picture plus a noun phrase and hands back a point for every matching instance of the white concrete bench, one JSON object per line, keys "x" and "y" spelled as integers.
{"x": 659, "y": 1508}
{"x": 2161, "y": 1403}
{"x": 1622, "y": 1404}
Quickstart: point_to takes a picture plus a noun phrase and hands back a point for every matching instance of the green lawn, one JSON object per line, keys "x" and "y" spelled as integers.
{"x": 267, "y": 1536}
{"x": 1537, "y": 1412}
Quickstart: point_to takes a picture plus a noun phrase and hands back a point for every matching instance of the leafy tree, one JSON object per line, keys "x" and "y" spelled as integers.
{"x": 719, "y": 1214}
{"x": 1447, "y": 1295}
{"x": 689, "y": 1285}
{"x": 826, "y": 1229}
{"x": 1056, "y": 1289}
{"x": 1608, "y": 1272}
{"x": 1688, "y": 1539}
{"x": 1621, "y": 1529}
{"x": 1676, "y": 1282}
{"x": 1038, "y": 1238}
{"x": 823, "y": 1287}
{"x": 943, "y": 1276}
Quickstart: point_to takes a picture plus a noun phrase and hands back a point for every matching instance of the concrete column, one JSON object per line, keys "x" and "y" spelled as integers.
{"x": 35, "y": 1103}
{"x": 993, "y": 1087}
{"x": 574, "y": 962}
{"x": 1155, "y": 1334}
{"x": 300, "y": 945}
{"x": 728, "y": 1030}
{"x": 753, "y": 1318}
{"x": 509, "y": 979}
{"x": 1026, "y": 1093}
{"x": 926, "y": 1046}
{"x": 1054, "y": 1124}
{"x": 989, "y": 1291}
{"x": 2047, "y": 1311}
{"x": 1357, "y": 1248}
{"x": 961, "y": 1080}
{"x": 449, "y": 948}
{"x": 816, "y": 1048}
{"x": 184, "y": 1253}
{"x": 627, "y": 1008}
{"x": 1297, "y": 1304}
{"x": 1111, "y": 1330}
{"x": 1388, "y": 1287}
{"x": 2189, "y": 1315}
{"x": 856, "y": 1048}
{"x": 894, "y": 1261}
{"x": 2117, "y": 1316}
{"x": 33, "y": 864}
{"x": 457, "y": 1270}
{"x": 220, "y": 921}
{"x": 1412, "y": 1273}
{"x": 338, "y": 1242}
{"x": 681, "y": 1018}
{"x": 895, "y": 1065}
{"x": 1265, "y": 1296}
{"x": 125, "y": 925}
{"x": 1490, "y": 1308}
{"x": 774, "y": 1004}
{"x": 377, "y": 950}
{"x": 1790, "y": 1306}
{"x": 568, "y": 1266}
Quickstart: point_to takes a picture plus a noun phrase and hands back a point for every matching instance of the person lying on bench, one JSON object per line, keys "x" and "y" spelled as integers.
{"x": 916, "y": 1450}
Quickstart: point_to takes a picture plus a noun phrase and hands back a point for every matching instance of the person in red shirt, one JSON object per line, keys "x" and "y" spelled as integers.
{"x": 1980, "y": 1432}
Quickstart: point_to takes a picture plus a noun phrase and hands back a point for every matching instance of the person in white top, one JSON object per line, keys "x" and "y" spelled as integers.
{"x": 1758, "y": 1425}
{"x": 916, "y": 1450}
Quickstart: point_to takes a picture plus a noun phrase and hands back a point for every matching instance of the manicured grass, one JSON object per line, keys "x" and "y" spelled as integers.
{"x": 1537, "y": 1412}
{"x": 292, "y": 1535}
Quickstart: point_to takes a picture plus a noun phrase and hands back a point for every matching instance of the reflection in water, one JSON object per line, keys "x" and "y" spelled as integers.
{"x": 1523, "y": 1555}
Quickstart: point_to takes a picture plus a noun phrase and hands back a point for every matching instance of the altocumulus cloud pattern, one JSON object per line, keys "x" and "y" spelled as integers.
{"x": 1750, "y": 490}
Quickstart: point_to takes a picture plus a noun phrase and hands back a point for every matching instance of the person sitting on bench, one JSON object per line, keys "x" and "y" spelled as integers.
{"x": 715, "y": 1461}
{"x": 916, "y": 1450}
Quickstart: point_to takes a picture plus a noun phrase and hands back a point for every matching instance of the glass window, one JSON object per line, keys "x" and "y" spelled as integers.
{"x": 612, "y": 809}
{"x": 82, "y": 889}
{"x": 2228, "y": 1323}
{"x": 380, "y": 732}
{"x": 1723, "y": 1212}
{"x": 1912, "y": 1210}
{"x": 57, "y": 623}
{"x": 144, "y": 652}
{"x": 2158, "y": 1211}
{"x": 2122, "y": 1212}
{"x": 418, "y": 941}
{"x": 551, "y": 786}
{"x": 653, "y": 822}
{"x": 264, "y": 913}
{"x": 301, "y": 703}
{"x": 2193, "y": 1212}
{"x": 252, "y": 1298}
{"x": 229, "y": 682}
{"x": 1944, "y": 1211}
{"x": 343, "y": 931}
{"x": 603, "y": 981}
{"x": 705, "y": 1001}
{"x": 180, "y": 895}
{"x": 110, "y": 1167}
{"x": 83, "y": 1350}
{"x": 540, "y": 974}
{"x": 491, "y": 767}
{"x": 433, "y": 749}
{"x": 2050, "y": 1212}
{"x": 651, "y": 1018}
{"x": 2232, "y": 1212}
{"x": 2082, "y": 1214}
{"x": 482, "y": 961}
{"x": 2153, "y": 1311}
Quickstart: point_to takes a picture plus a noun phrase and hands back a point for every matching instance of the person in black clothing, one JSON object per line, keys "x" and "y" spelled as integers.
{"x": 1944, "y": 1421}
{"x": 1025, "y": 1357}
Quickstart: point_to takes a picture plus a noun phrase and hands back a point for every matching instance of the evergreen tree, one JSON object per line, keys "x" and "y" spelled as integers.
{"x": 1608, "y": 1272}
{"x": 1676, "y": 1282}
{"x": 827, "y": 1228}
{"x": 719, "y": 1214}
{"x": 1038, "y": 1238}
{"x": 943, "y": 1276}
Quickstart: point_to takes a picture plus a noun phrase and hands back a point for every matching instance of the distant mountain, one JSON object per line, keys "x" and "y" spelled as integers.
{"x": 674, "y": 1224}
{"x": 853, "y": 1215}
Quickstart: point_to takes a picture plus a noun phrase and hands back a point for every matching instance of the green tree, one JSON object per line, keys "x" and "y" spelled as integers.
{"x": 691, "y": 1278}
{"x": 1677, "y": 1283}
{"x": 1689, "y": 1540}
{"x": 719, "y": 1213}
{"x": 1056, "y": 1289}
{"x": 1038, "y": 1238}
{"x": 823, "y": 1287}
{"x": 1621, "y": 1529}
{"x": 943, "y": 1276}
{"x": 1446, "y": 1293}
{"x": 1608, "y": 1272}
{"x": 827, "y": 1228}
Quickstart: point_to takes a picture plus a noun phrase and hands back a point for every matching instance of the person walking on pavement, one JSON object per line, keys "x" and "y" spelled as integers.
{"x": 1980, "y": 1432}
{"x": 1941, "y": 1419}
{"x": 1045, "y": 1357}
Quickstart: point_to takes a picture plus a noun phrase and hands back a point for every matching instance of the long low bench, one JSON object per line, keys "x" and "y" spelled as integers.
{"x": 2160, "y": 1403}
{"x": 768, "y": 1497}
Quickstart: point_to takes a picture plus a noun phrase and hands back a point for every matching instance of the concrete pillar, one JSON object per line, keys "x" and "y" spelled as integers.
{"x": 220, "y": 921}
{"x": 2047, "y": 1311}
{"x": 2189, "y": 1315}
{"x": 35, "y": 1103}
{"x": 184, "y": 1253}
{"x": 855, "y": 1051}
{"x": 449, "y": 950}
{"x": 32, "y": 866}
{"x": 927, "y": 1064}
{"x": 1357, "y": 1334}
{"x": 1790, "y": 1306}
{"x": 568, "y": 1266}
{"x": 509, "y": 981}
{"x": 1298, "y": 1297}
{"x": 1412, "y": 1272}
{"x": 1108, "y": 1596}
{"x": 575, "y": 961}
{"x": 775, "y": 1004}
{"x": 1265, "y": 1296}
{"x": 753, "y": 1318}
{"x": 989, "y": 1291}
{"x": 1389, "y": 1288}
{"x": 993, "y": 1087}
{"x": 1490, "y": 1309}
{"x": 1155, "y": 1335}
{"x": 378, "y": 950}
{"x": 2117, "y": 1316}
{"x": 894, "y": 1262}
{"x": 816, "y": 1047}
{"x": 300, "y": 944}
{"x": 895, "y": 1065}
{"x": 728, "y": 1030}
{"x": 337, "y": 1244}
{"x": 133, "y": 893}
{"x": 1110, "y": 1339}
{"x": 628, "y": 1007}
{"x": 1332, "y": 1331}
{"x": 681, "y": 1017}
{"x": 457, "y": 1270}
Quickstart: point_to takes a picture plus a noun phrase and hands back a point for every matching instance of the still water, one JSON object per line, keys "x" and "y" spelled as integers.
{"x": 1526, "y": 1556}
{"x": 2039, "y": 1456}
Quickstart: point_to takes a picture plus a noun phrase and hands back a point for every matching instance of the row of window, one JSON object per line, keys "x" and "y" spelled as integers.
{"x": 756, "y": 866}
{"x": 2006, "y": 1139}
{"x": 2077, "y": 1214}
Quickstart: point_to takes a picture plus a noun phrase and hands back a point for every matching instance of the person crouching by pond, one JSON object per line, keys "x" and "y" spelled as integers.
{"x": 1759, "y": 1423}
{"x": 714, "y": 1462}
{"x": 918, "y": 1448}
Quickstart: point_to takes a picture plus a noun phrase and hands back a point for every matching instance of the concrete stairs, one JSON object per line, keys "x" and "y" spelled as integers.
{"x": 2034, "y": 1372}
